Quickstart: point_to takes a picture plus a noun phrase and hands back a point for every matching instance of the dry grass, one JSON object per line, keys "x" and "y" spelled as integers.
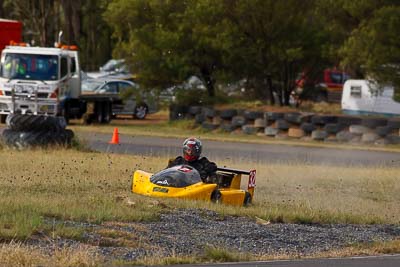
{"x": 375, "y": 248}
{"x": 84, "y": 186}
{"x": 17, "y": 254}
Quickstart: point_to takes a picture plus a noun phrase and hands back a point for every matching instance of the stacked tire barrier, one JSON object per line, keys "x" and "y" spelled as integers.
{"x": 26, "y": 131}
{"x": 297, "y": 125}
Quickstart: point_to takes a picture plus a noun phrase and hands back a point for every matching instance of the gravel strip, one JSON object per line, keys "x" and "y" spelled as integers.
{"x": 189, "y": 231}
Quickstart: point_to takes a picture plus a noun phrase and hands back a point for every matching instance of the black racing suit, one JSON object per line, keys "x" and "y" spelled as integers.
{"x": 206, "y": 168}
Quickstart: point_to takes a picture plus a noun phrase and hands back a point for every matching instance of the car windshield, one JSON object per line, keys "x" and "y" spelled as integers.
{"x": 178, "y": 176}
{"x": 30, "y": 67}
{"x": 91, "y": 86}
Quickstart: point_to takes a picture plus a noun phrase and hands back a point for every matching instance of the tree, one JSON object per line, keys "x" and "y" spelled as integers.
{"x": 94, "y": 37}
{"x": 275, "y": 40}
{"x": 37, "y": 17}
{"x": 234, "y": 39}
{"x": 375, "y": 47}
{"x": 81, "y": 21}
{"x": 364, "y": 37}
{"x": 167, "y": 41}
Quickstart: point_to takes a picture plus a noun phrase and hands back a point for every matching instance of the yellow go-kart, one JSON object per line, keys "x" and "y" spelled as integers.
{"x": 184, "y": 181}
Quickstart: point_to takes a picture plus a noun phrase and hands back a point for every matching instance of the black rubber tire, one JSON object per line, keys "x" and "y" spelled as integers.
{"x": 319, "y": 135}
{"x": 307, "y": 127}
{"x": 383, "y": 130}
{"x": 26, "y": 123}
{"x": 216, "y": 197}
{"x": 374, "y": 122}
{"x": 228, "y": 113}
{"x": 141, "y": 111}
{"x": 247, "y": 199}
{"x": 252, "y": 115}
{"x": 239, "y": 121}
{"x": 273, "y": 116}
{"x": 22, "y": 140}
{"x": 394, "y": 123}
{"x": 269, "y": 131}
{"x": 345, "y": 136}
{"x": 281, "y": 124}
{"x": 333, "y": 128}
{"x": 9, "y": 136}
{"x": 323, "y": 119}
{"x": 349, "y": 120}
{"x": 249, "y": 129}
{"x": 293, "y": 117}
{"x": 260, "y": 123}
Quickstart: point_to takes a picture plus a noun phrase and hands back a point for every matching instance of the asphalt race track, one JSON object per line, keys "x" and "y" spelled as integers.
{"x": 235, "y": 151}
{"x": 380, "y": 261}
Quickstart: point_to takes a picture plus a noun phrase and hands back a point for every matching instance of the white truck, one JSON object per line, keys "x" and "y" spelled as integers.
{"x": 47, "y": 81}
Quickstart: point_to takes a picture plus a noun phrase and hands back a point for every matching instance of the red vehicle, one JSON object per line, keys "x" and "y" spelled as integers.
{"x": 10, "y": 30}
{"x": 327, "y": 86}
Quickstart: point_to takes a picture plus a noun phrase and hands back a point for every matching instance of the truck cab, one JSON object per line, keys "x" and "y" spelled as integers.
{"x": 325, "y": 86}
{"x": 38, "y": 80}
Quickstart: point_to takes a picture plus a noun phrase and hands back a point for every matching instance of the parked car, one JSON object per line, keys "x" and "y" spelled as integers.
{"x": 131, "y": 99}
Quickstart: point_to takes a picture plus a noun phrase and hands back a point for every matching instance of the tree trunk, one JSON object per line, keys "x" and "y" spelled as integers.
{"x": 207, "y": 77}
{"x": 270, "y": 90}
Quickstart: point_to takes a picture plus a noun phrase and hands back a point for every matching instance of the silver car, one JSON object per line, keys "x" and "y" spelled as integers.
{"x": 130, "y": 99}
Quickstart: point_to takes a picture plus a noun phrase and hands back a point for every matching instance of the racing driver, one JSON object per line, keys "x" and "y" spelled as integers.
{"x": 191, "y": 156}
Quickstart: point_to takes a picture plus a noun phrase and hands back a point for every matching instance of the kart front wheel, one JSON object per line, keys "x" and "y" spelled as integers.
{"x": 216, "y": 196}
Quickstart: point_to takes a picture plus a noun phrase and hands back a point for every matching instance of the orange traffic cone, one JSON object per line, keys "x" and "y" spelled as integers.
{"x": 115, "y": 137}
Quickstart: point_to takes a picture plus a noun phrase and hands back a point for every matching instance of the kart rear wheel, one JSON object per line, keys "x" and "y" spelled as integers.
{"x": 247, "y": 199}
{"x": 216, "y": 196}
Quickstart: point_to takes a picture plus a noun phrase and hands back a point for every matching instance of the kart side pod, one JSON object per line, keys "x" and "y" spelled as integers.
{"x": 236, "y": 181}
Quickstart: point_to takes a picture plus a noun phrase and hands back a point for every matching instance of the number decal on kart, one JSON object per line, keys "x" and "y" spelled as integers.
{"x": 252, "y": 179}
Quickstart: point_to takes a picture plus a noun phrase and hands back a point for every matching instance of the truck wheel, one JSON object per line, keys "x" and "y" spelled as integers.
{"x": 98, "y": 112}
{"x": 216, "y": 196}
{"x": 247, "y": 199}
{"x": 141, "y": 111}
{"x": 107, "y": 116}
